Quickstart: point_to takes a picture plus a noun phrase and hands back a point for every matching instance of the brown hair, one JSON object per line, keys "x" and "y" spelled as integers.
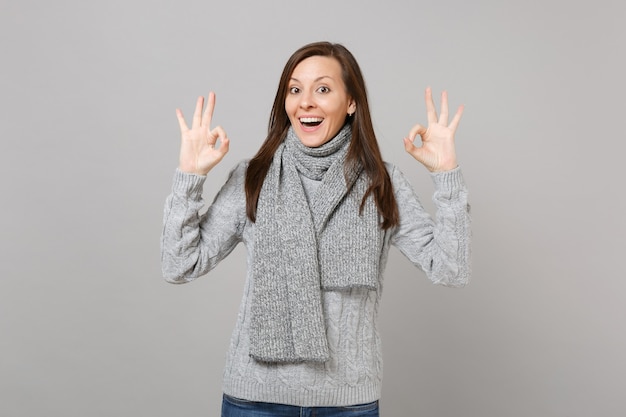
{"x": 363, "y": 146}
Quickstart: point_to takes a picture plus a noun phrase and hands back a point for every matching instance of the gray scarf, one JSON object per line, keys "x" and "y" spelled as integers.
{"x": 302, "y": 249}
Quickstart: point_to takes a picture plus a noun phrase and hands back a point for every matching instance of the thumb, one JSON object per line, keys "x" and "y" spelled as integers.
{"x": 418, "y": 153}
{"x": 224, "y": 146}
{"x": 408, "y": 145}
{"x": 415, "y": 151}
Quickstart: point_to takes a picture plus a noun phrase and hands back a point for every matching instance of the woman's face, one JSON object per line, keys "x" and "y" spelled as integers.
{"x": 317, "y": 102}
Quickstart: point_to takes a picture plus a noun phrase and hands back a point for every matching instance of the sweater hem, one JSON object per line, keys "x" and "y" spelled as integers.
{"x": 331, "y": 397}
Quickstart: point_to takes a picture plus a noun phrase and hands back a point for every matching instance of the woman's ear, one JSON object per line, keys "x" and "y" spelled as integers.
{"x": 351, "y": 107}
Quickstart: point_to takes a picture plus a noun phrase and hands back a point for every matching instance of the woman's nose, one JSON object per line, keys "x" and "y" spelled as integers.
{"x": 306, "y": 100}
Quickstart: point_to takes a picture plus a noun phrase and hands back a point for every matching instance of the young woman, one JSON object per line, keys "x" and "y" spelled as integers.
{"x": 318, "y": 210}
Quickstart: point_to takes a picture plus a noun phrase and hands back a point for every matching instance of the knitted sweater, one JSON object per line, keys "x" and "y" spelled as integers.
{"x": 194, "y": 243}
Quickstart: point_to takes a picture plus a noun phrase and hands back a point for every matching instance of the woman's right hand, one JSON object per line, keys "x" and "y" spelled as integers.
{"x": 198, "y": 154}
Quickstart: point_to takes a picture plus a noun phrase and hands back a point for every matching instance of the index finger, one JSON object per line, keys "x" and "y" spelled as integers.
{"x": 208, "y": 112}
{"x": 418, "y": 129}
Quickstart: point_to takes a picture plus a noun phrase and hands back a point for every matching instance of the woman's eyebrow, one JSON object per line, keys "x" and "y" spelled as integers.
{"x": 316, "y": 80}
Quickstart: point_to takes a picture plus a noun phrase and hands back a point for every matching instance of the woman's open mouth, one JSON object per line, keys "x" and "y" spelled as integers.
{"x": 311, "y": 121}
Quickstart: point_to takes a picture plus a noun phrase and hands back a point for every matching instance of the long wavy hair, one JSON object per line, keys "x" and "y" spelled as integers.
{"x": 363, "y": 147}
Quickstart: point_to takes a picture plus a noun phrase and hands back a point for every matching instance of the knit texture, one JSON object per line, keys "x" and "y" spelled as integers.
{"x": 302, "y": 249}
{"x": 194, "y": 242}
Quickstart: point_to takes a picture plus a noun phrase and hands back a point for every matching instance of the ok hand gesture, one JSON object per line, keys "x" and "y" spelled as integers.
{"x": 198, "y": 154}
{"x": 437, "y": 151}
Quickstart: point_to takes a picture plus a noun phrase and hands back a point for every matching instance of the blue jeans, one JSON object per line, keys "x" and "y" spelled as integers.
{"x": 235, "y": 407}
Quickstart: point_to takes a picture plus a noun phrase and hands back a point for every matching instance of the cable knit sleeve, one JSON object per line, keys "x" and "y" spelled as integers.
{"x": 192, "y": 243}
{"x": 439, "y": 246}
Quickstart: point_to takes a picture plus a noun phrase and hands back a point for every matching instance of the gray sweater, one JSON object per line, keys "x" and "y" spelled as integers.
{"x": 194, "y": 243}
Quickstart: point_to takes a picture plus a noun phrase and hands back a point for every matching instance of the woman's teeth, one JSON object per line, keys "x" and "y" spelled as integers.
{"x": 311, "y": 121}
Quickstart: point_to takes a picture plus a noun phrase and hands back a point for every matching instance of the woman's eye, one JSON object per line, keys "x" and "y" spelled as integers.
{"x": 323, "y": 89}
{"x": 294, "y": 90}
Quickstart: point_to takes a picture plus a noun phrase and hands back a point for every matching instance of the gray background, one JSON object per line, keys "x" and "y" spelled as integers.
{"x": 89, "y": 143}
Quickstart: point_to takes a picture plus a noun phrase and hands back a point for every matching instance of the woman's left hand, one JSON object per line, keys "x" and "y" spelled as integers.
{"x": 437, "y": 151}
